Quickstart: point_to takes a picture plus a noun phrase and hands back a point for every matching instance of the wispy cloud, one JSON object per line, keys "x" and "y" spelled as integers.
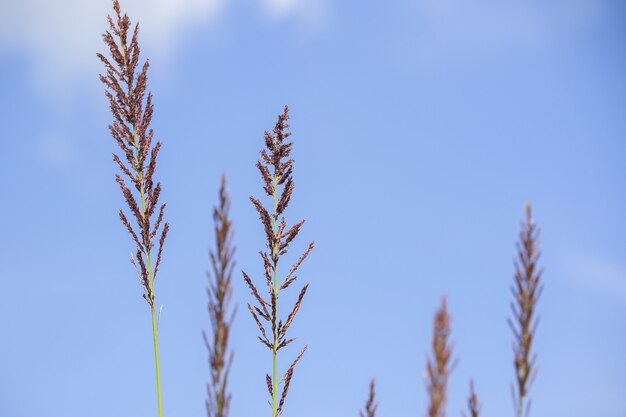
{"x": 504, "y": 21}
{"x": 60, "y": 39}
{"x": 280, "y": 8}
{"x": 312, "y": 13}
{"x": 445, "y": 27}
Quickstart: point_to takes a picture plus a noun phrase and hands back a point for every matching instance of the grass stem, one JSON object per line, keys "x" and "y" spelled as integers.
{"x": 157, "y": 367}
{"x": 275, "y": 289}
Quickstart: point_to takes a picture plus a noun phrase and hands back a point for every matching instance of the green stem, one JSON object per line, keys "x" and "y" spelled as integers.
{"x": 275, "y": 280}
{"x": 155, "y": 340}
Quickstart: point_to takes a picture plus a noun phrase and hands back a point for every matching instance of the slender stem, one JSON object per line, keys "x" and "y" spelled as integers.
{"x": 520, "y": 407}
{"x": 156, "y": 361}
{"x": 219, "y": 395}
{"x": 275, "y": 279}
{"x": 155, "y": 340}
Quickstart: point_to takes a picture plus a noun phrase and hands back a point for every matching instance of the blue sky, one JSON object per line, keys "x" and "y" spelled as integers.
{"x": 421, "y": 128}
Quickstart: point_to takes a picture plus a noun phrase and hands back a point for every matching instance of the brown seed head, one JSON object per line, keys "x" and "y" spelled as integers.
{"x": 526, "y": 291}
{"x": 125, "y": 88}
{"x": 370, "y": 405}
{"x": 221, "y": 315}
{"x": 438, "y": 367}
{"x": 276, "y": 167}
{"x": 473, "y": 406}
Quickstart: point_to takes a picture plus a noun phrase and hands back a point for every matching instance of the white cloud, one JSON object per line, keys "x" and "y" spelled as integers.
{"x": 60, "y": 39}
{"x": 312, "y": 13}
{"x": 487, "y": 20}
{"x": 281, "y": 8}
{"x": 447, "y": 26}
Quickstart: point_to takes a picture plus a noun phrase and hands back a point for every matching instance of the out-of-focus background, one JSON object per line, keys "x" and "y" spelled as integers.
{"x": 421, "y": 128}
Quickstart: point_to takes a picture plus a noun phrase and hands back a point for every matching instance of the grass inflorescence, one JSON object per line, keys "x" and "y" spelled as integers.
{"x": 439, "y": 366}
{"x": 276, "y": 169}
{"x": 370, "y": 405}
{"x": 221, "y": 315}
{"x": 132, "y": 111}
{"x": 473, "y": 406}
{"x": 526, "y": 291}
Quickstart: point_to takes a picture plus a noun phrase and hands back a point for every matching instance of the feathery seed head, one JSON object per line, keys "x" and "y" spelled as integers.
{"x": 438, "y": 367}
{"x": 276, "y": 168}
{"x": 125, "y": 87}
{"x": 526, "y": 289}
{"x": 472, "y": 403}
{"x": 370, "y": 405}
{"x": 220, "y": 291}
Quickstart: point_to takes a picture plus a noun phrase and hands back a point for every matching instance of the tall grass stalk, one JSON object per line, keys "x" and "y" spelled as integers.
{"x": 220, "y": 291}
{"x": 473, "y": 406}
{"x": 132, "y": 112}
{"x": 370, "y": 405}
{"x": 526, "y": 289}
{"x": 438, "y": 366}
{"x": 276, "y": 169}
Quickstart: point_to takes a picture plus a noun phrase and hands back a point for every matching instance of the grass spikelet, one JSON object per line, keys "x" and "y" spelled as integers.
{"x": 438, "y": 366}
{"x": 275, "y": 167}
{"x": 370, "y": 405}
{"x": 526, "y": 291}
{"x": 473, "y": 406}
{"x": 125, "y": 87}
{"x": 221, "y": 315}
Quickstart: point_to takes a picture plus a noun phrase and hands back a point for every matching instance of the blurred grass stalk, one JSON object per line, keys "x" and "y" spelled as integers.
{"x": 438, "y": 366}
{"x": 526, "y": 291}
{"x": 472, "y": 403}
{"x": 220, "y": 291}
{"x": 370, "y": 405}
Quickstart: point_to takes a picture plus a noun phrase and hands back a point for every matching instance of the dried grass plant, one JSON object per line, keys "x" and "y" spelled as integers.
{"x": 439, "y": 366}
{"x": 132, "y": 112}
{"x": 370, "y": 405}
{"x": 276, "y": 169}
{"x": 473, "y": 406}
{"x": 220, "y": 291}
{"x": 526, "y": 291}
